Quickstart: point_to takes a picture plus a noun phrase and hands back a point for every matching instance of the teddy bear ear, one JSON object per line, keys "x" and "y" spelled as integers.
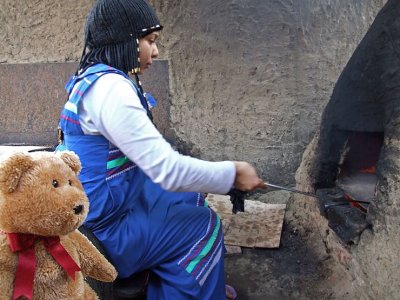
{"x": 72, "y": 160}
{"x": 12, "y": 169}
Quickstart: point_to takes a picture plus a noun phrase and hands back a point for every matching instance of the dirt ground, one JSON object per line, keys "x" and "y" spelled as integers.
{"x": 289, "y": 272}
{"x": 292, "y": 271}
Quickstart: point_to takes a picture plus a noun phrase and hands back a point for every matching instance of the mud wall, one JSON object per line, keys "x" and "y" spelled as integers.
{"x": 249, "y": 79}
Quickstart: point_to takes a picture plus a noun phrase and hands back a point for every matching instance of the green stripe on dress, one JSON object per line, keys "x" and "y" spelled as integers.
{"x": 206, "y": 249}
{"x": 117, "y": 162}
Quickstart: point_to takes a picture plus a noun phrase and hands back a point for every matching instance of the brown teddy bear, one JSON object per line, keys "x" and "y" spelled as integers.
{"x": 42, "y": 254}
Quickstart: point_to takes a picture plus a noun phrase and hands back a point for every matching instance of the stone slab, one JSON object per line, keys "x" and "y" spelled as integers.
{"x": 232, "y": 250}
{"x": 8, "y": 150}
{"x": 260, "y": 226}
{"x": 32, "y": 95}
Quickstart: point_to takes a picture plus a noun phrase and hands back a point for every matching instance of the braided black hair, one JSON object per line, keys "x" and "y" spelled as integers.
{"x": 112, "y": 32}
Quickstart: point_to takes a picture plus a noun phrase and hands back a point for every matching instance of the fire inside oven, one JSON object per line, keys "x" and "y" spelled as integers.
{"x": 346, "y": 203}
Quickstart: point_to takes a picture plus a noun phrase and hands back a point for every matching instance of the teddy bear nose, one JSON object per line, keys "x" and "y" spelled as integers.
{"x": 78, "y": 209}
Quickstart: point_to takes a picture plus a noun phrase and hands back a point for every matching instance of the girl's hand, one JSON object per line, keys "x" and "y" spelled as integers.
{"x": 246, "y": 179}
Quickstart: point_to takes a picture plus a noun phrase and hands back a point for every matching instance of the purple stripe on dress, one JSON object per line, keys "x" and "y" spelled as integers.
{"x": 214, "y": 262}
{"x": 204, "y": 261}
{"x": 112, "y": 156}
{"x": 199, "y": 241}
{"x": 200, "y": 199}
{"x": 203, "y": 241}
{"x": 121, "y": 172}
{"x": 207, "y": 266}
{"x": 120, "y": 168}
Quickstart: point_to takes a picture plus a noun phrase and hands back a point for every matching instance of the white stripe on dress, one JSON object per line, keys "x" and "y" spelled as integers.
{"x": 71, "y": 107}
{"x": 215, "y": 261}
{"x": 209, "y": 260}
{"x": 200, "y": 240}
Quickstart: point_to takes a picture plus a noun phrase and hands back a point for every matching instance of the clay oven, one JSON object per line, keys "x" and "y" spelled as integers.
{"x": 353, "y": 163}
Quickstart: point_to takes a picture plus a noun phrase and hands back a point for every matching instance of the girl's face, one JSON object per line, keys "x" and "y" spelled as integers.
{"x": 148, "y": 50}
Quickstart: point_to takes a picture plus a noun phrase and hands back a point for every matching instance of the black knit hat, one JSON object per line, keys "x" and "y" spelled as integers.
{"x": 112, "y": 32}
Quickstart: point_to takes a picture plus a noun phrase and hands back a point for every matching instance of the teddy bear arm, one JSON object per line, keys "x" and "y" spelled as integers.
{"x": 6, "y": 284}
{"x": 93, "y": 263}
{"x": 8, "y": 264}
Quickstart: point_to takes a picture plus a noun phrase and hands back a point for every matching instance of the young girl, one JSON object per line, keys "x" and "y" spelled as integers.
{"x": 142, "y": 205}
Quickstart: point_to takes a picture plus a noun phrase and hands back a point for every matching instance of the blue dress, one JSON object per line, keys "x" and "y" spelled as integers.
{"x": 141, "y": 225}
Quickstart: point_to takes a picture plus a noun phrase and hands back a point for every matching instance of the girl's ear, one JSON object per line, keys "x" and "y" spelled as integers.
{"x": 71, "y": 159}
{"x": 12, "y": 169}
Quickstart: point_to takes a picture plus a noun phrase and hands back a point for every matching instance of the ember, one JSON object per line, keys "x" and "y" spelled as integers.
{"x": 345, "y": 205}
{"x": 371, "y": 170}
{"x": 346, "y": 216}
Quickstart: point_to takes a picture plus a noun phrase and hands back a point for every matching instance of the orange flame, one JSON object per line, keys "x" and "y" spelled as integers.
{"x": 369, "y": 170}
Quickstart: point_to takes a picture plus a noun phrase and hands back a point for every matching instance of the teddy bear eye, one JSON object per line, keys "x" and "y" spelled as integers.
{"x": 55, "y": 183}
{"x": 69, "y": 182}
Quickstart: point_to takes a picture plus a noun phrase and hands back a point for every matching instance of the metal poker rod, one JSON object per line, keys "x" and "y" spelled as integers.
{"x": 279, "y": 187}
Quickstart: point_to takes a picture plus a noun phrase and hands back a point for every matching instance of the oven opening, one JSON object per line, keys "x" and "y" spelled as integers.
{"x": 345, "y": 204}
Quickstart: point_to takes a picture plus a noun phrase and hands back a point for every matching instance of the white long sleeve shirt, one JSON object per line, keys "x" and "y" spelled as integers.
{"x": 112, "y": 108}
